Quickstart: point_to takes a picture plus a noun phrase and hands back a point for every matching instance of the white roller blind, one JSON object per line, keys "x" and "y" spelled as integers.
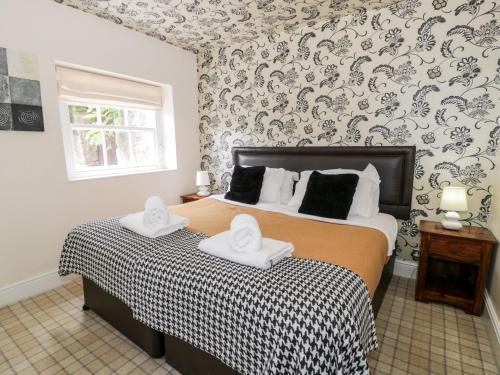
{"x": 78, "y": 85}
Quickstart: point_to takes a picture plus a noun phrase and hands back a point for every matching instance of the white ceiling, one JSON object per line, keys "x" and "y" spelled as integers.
{"x": 194, "y": 24}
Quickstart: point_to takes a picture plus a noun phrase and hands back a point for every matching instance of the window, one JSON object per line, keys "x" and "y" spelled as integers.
{"x": 106, "y": 130}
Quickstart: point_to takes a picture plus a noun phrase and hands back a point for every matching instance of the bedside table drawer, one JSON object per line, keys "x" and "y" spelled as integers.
{"x": 456, "y": 250}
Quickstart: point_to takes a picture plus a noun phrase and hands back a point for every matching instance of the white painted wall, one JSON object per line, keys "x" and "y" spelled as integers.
{"x": 38, "y": 205}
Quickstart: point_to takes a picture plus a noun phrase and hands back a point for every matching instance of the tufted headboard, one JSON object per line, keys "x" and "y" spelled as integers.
{"x": 395, "y": 166}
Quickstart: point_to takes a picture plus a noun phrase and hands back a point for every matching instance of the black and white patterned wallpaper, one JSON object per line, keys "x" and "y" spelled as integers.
{"x": 194, "y": 24}
{"x": 422, "y": 73}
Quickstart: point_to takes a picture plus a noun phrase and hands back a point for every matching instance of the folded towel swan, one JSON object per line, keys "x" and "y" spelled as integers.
{"x": 246, "y": 236}
{"x": 155, "y": 213}
{"x": 155, "y": 221}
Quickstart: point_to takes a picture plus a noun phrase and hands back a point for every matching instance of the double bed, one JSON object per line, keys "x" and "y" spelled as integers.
{"x": 364, "y": 247}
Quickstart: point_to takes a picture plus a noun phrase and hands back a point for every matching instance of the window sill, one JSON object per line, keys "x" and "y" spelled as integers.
{"x": 99, "y": 176}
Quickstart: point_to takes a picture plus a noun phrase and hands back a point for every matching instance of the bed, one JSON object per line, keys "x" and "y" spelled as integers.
{"x": 395, "y": 166}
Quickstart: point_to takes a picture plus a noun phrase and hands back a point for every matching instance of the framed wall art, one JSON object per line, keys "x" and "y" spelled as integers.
{"x": 20, "y": 96}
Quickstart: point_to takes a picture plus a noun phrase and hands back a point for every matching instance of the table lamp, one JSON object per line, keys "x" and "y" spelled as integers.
{"x": 202, "y": 181}
{"x": 453, "y": 199}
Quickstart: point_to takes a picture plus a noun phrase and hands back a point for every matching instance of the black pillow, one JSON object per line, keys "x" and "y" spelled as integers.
{"x": 246, "y": 184}
{"x": 329, "y": 195}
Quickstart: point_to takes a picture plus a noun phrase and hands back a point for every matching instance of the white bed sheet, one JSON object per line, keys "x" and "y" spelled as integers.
{"x": 385, "y": 223}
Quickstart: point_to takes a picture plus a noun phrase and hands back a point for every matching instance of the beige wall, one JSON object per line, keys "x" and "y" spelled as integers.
{"x": 38, "y": 205}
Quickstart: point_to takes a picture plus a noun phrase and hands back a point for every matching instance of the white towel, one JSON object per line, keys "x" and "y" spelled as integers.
{"x": 135, "y": 223}
{"x": 271, "y": 253}
{"x": 245, "y": 234}
{"x": 156, "y": 215}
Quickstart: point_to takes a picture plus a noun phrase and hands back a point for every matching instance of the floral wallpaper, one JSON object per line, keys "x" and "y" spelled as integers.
{"x": 418, "y": 72}
{"x": 193, "y": 24}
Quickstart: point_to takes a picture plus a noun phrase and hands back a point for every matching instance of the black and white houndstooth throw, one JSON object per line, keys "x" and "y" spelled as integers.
{"x": 105, "y": 252}
{"x": 299, "y": 317}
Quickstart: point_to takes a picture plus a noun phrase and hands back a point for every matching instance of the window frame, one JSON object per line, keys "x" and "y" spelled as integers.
{"x": 75, "y": 173}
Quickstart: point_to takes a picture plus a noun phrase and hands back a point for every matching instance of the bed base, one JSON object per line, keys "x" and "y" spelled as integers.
{"x": 185, "y": 358}
{"x": 119, "y": 315}
{"x": 189, "y": 360}
{"x": 383, "y": 284}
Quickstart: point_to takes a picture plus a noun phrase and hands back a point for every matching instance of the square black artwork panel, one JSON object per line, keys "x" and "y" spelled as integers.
{"x": 27, "y": 117}
{"x": 5, "y": 116}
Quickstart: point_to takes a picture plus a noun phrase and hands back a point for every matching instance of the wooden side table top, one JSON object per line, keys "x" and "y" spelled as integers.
{"x": 186, "y": 198}
{"x": 470, "y": 233}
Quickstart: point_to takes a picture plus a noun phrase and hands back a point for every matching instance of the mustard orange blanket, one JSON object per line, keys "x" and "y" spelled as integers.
{"x": 362, "y": 250}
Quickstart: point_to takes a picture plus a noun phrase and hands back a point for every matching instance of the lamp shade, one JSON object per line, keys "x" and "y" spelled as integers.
{"x": 202, "y": 178}
{"x": 454, "y": 199}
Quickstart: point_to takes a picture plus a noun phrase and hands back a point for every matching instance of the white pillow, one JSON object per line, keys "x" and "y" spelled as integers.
{"x": 271, "y": 185}
{"x": 300, "y": 188}
{"x": 372, "y": 173}
{"x": 270, "y": 192}
{"x": 287, "y": 186}
{"x": 366, "y": 196}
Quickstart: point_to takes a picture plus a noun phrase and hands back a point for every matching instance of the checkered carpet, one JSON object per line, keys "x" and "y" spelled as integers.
{"x": 50, "y": 334}
{"x": 419, "y": 338}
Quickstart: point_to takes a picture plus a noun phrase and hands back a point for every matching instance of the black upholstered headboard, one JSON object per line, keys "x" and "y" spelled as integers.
{"x": 395, "y": 166}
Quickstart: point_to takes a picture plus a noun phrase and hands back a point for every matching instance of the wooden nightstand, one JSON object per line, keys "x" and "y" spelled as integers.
{"x": 192, "y": 197}
{"x": 453, "y": 265}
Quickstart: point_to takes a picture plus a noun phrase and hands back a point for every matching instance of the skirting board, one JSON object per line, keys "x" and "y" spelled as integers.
{"x": 31, "y": 287}
{"x": 493, "y": 315}
{"x": 405, "y": 268}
